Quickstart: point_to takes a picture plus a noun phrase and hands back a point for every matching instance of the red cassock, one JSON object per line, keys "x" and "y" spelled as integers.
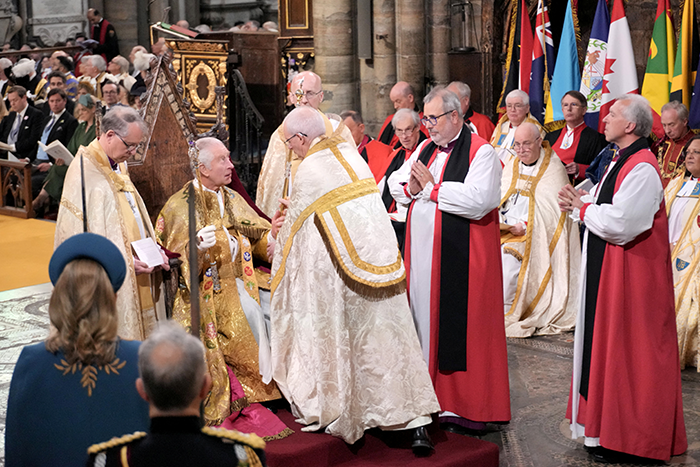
{"x": 484, "y": 125}
{"x": 481, "y": 392}
{"x": 377, "y": 155}
{"x": 634, "y": 402}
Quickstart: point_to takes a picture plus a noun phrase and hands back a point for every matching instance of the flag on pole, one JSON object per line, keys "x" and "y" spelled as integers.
{"x": 594, "y": 66}
{"x": 686, "y": 64}
{"x": 567, "y": 75}
{"x": 659, "y": 73}
{"x": 694, "y": 111}
{"x": 519, "y": 58}
{"x": 620, "y": 76}
{"x": 542, "y": 63}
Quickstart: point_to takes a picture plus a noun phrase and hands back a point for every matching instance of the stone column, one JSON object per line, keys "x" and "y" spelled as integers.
{"x": 335, "y": 58}
{"x": 410, "y": 43}
{"x": 377, "y": 76}
{"x": 438, "y": 42}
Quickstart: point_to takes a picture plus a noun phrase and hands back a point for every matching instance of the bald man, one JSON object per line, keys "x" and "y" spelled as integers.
{"x": 540, "y": 249}
{"x": 306, "y": 90}
{"x": 477, "y": 123}
{"x": 402, "y": 96}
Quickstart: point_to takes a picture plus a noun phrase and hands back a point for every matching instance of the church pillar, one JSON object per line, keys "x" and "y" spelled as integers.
{"x": 410, "y": 43}
{"x": 438, "y": 42}
{"x": 335, "y": 58}
{"x": 377, "y": 76}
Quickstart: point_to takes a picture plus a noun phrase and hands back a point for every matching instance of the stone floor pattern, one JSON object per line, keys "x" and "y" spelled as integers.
{"x": 540, "y": 370}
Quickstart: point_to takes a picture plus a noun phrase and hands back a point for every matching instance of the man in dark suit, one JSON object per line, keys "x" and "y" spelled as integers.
{"x": 59, "y": 125}
{"x": 57, "y": 80}
{"x": 21, "y": 128}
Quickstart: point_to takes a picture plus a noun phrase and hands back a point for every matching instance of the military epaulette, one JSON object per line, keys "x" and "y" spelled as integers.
{"x": 250, "y": 439}
{"x": 114, "y": 442}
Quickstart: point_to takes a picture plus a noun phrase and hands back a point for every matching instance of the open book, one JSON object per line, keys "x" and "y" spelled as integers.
{"x": 57, "y": 150}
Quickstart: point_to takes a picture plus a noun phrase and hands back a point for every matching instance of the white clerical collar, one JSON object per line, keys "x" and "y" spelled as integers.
{"x": 568, "y": 128}
{"x": 197, "y": 185}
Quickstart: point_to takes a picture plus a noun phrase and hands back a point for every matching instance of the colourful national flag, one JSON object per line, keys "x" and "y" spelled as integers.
{"x": 694, "y": 111}
{"x": 519, "y": 58}
{"x": 686, "y": 64}
{"x": 659, "y": 73}
{"x": 594, "y": 65}
{"x": 566, "y": 76}
{"x": 620, "y": 76}
{"x": 542, "y": 63}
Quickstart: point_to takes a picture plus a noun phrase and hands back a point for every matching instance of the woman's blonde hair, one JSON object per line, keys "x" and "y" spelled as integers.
{"x": 83, "y": 310}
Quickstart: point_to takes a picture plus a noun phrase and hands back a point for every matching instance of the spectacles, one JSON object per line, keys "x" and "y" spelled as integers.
{"x": 514, "y": 106}
{"x": 407, "y": 131}
{"x": 433, "y": 120}
{"x": 129, "y": 147}
{"x": 299, "y": 134}
{"x": 525, "y": 144}
{"x": 110, "y": 92}
{"x": 310, "y": 94}
{"x": 692, "y": 153}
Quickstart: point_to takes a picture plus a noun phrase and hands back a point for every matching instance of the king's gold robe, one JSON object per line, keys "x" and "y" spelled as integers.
{"x": 272, "y": 173}
{"x": 546, "y": 299}
{"x": 685, "y": 263}
{"x": 224, "y": 329}
{"x": 109, "y": 214}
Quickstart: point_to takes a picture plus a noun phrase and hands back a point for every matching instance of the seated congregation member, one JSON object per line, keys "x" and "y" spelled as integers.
{"x": 402, "y": 96}
{"x": 344, "y": 348}
{"x": 683, "y": 205}
{"x": 576, "y": 144}
{"x": 674, "y": 118}
{"x": 375, "y": 153}
{"x": 110, "y": 96}
{"x": 57, "y": 80}
{"x": 59, "y": 125}
{"x": 21, "y": 128}
{"x": 517, "y": 112}
{"x": 173, "y": 379}
{"x": 84, "y": 135}
{"x": 540, "y": 248}
{"x": 24, "y": 74}
{"x": 476, "y": 122}
{"x": 78, "y": 387}
{"x": 63, "y": 64}
{"x": 235, "y": 333}
{"x": 93, "y": 68}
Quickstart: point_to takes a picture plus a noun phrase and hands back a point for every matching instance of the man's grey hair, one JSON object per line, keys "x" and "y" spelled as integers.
{"x": 678, "y": 107}
{"x": 463, "y": 89}
{"x": 519, "y": 94}
{"x": 206, "y": 147}
{"x": 450, "y": 101}
{"x": 356, "y": 117}
{"x": 95, "y": 60}
{"x": 119, "y": 118}
{"x": 122, "y": 62}
{"x": 173, "y": 379}
{"x": 403, "y": 113}
{"x": 305, "y": 120}
{"x": 637, "y": 111}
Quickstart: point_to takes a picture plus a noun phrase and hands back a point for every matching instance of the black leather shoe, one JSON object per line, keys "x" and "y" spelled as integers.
{"x": 461, "y": 430}
{"x": 422, "y": 445}
{"x": 608, "y": 456}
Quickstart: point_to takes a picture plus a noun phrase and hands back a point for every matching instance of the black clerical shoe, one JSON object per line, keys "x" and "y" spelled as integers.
{"x": 608, "y": 456}
{"x": 422, "y": 445}
{"x": 461, "y": 430}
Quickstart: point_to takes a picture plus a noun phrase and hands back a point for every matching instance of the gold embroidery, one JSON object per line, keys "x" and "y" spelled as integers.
{"x": 249, "y": 439}
{"x": 95, "y": 448}
{"x": 89, "y": 378}
{"x": 72, "y": 208}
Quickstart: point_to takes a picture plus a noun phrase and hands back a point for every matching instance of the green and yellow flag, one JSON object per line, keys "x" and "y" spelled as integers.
{"x": 686, "y": 62}
{"x": 659, "y": 73}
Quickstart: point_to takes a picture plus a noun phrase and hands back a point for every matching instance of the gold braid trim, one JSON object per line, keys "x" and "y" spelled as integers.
{"x": 512, "y": 252}
{"x": 239, "y": 404}
{"x": 72, "y": 208}
{"x": 282, "y": 434}
{"x": 253, "y": 459}
{"x": 114, "y": 442}
{"x": 249, "y": 439}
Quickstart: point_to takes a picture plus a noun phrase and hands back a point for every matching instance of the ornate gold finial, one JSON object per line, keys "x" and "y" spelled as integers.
{"x": 299, "y": 93}
{"x": 193, "y": 153}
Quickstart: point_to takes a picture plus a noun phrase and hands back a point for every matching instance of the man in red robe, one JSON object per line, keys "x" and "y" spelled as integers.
{"x": 402, "y": 96}
{"x": 376, "y": 154}
{"x": 674, "y": 118}
{"x": 453, "y": 185}
{"x": 626, "y": 391}
{"x": 104, "y": 33}
{"x": 476, "y": 122}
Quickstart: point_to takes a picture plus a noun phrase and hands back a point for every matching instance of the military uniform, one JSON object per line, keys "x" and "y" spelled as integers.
{"x": 179, "y": 441}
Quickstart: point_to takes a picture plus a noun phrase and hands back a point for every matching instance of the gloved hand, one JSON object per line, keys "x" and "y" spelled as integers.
{"x": 206, "y": 238}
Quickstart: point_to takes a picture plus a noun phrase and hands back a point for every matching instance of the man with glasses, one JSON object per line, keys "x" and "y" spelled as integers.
{"x": 668, "y": 150}
{"x": 305, "y": 91}
{"x": 517, "y": 112}
{"x": 452, "y": 182}
{"x": 110, "y": 96}
{"x": 540, "y": 251}
{"x": 576, "y": 144}
{"x": 114, "y": 209}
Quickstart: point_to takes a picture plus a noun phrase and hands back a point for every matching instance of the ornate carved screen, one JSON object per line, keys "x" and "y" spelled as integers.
{"x": 200, "y": 66}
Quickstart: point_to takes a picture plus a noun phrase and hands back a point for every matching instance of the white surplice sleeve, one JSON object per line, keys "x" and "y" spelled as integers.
{"x": 480, "y": 192}
{"x": 632, "y": 210}
{"x": 400, "y": 177}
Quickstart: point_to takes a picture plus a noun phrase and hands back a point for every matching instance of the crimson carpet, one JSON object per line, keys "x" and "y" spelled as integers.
{"x": 376, "y": 448}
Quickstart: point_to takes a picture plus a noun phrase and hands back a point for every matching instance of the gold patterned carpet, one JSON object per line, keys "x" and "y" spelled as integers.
{"x": 26, "y": 246}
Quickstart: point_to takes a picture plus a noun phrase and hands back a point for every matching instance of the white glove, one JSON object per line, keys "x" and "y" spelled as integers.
{"x": 206, "y": 238}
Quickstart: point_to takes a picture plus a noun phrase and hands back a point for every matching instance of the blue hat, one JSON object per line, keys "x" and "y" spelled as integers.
{"x": 94, "y": 247}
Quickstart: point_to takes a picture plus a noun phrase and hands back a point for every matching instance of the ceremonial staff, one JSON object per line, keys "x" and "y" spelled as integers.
{"x": 299, "y": 94}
